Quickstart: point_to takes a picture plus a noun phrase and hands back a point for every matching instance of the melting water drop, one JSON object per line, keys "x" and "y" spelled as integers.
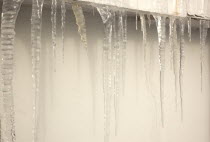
{"x": 80, "y": 20}
{"x": 203, "y": 35}
{"x": 161, "y": 29}
{"x": 63, "y": 22}
{"x": 10, "y": 10}
{"x": 54, "y": 29}
{"x": 182, "y": 57}
{"x": 36, "y": 24}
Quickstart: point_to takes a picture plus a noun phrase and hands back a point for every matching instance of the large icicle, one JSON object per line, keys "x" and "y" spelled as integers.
{"x": 114, "y": 53}
{"x": 107, "y": 17}
{"x": 10, "y": 10}
{"x": 145, "y": 49}
{"x": 176, "y": 59}
{"x": 117, "y": 26}
{"x": 119, "y": 60}
{"x": 63, "y": 22}
{"x": 80, "y": 20}
{"x": 54, "y": 30}
{"x": 174, "y": 53}
{"x": 203, "y": 34}
{"x": 36, "y": 26}
{"x": 161, "y": 29}
{"x": 182, "y": 27}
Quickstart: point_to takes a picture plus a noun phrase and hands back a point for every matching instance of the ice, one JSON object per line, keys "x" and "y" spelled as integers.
{"x": 161, "y": 29}
{"x": 36, "y": 23}
{"x": 182, "y": 58}
{"x": 54, "y": 30}
{"x": 203, "y": 35}
{"x": 63, "y": 22}
{"x": 80, "y": 20}
{"x": 10, "y": 10}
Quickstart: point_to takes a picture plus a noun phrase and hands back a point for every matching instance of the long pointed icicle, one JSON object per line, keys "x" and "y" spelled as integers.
{"x": 117, "y": 26}
{"x": 107, "y": 18}
{"x": 80, "y": 20}
{"x": 182, "y": 57}
{"x": 54, "y": 30}
{"x": 161, "y": 29}
{"x": 63, "y": 22}
{"x": 145, "y": 49}
{"x": 36, "y": 26}
{"x": 125, "y": 38}
{"x": 203, "y": 34}
{"x": 174, "y": 53}
{"x": 176, "y": 59}
{"x": 119, "y": 59}
{"x": 10, "y": 10}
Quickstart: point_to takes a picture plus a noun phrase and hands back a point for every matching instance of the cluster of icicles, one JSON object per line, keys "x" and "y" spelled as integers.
{"x": 114, "y": 55}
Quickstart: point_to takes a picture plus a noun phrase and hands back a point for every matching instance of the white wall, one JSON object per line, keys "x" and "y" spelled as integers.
{"x": 66, "y": 95}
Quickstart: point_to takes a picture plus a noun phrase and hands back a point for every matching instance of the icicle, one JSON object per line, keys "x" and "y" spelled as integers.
{"x": 149, "y": 19}
{"x": 10, "y": 10}
{"x": 125, "y": 30}
{"x": 201, "y": 55}
{"x": 80, "y": 20}
{"x": 171, "y": 34}
{"x": 36, "y": 23}
{"x": 189, "y": 25}
{"x": 182, "y": 27}
{"x": 114, "y": 62}
{"x": 107, "y": 17}
{"x": 145, "y": 50}
{"x": 161, "y": 40}
{"x": 120, "y": 64}
{"x": 54, "y": 30}
{"x": 174, "y": 54}
{"x": 144, "y": 30}
{"x": 124, "y": 51}
{"x": 176, "y": 62}
{"x": 63, "y": 22}
{"x": 136, "y": 21}
{"x": 203, "y": 34}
